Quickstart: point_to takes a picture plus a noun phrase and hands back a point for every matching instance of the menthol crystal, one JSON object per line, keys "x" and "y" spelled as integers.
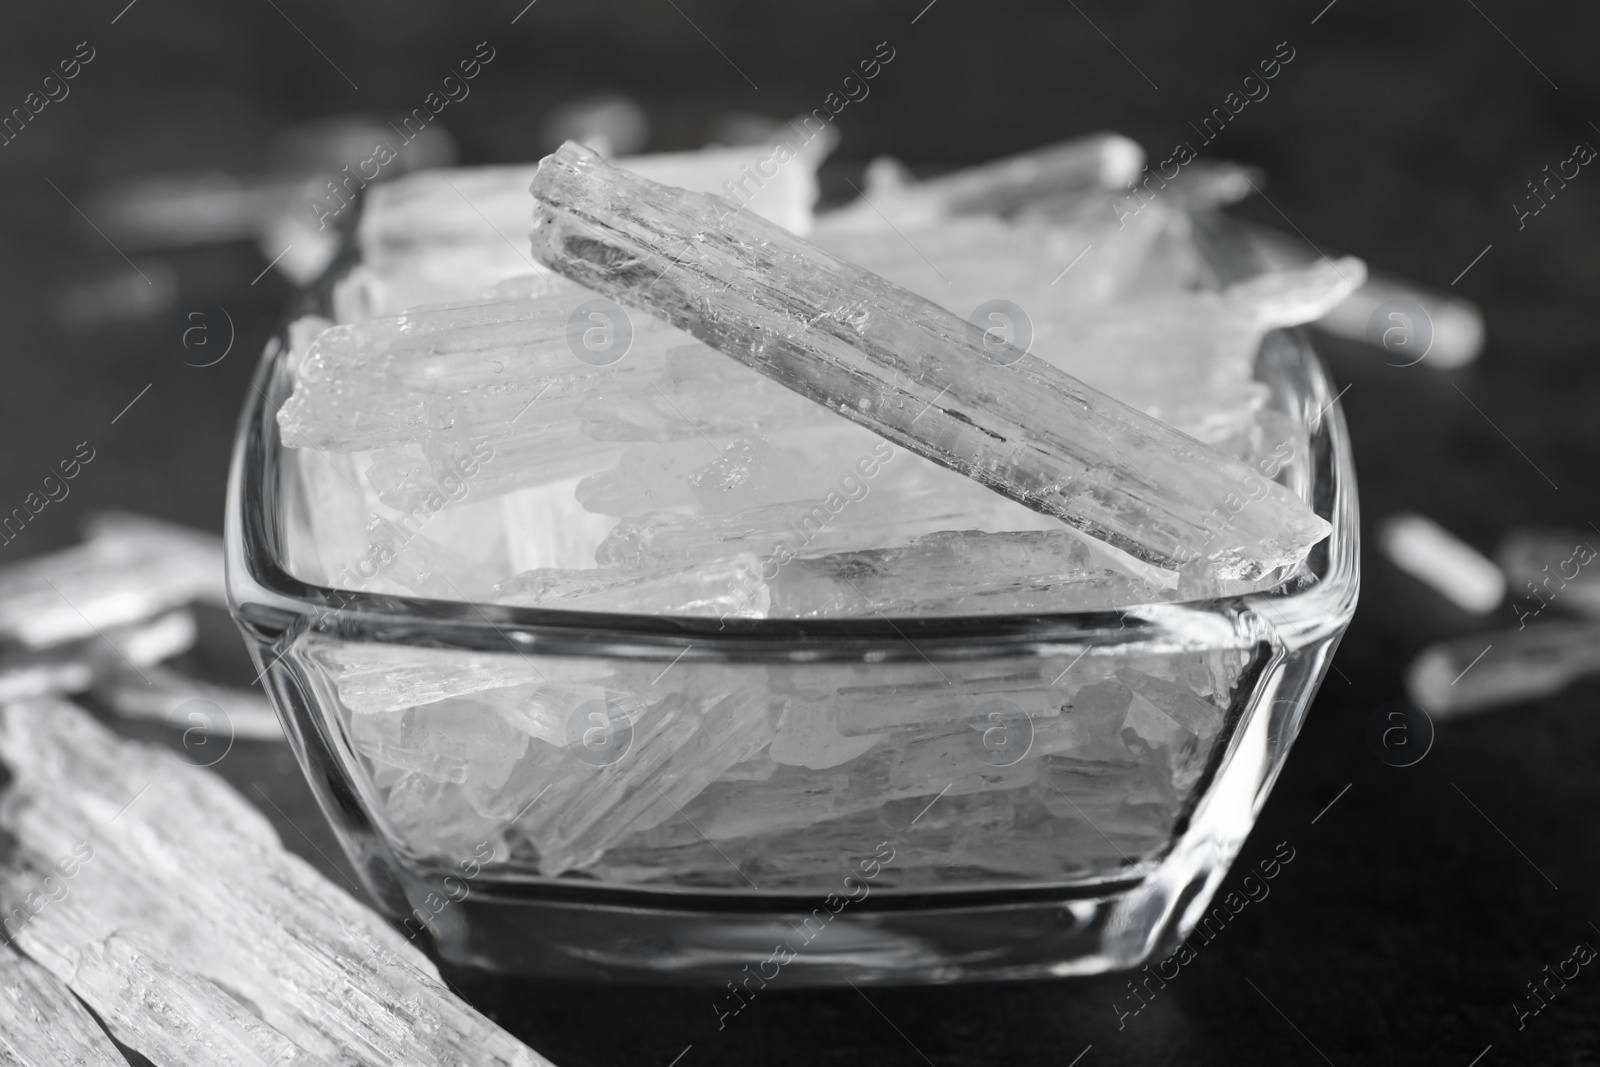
{"x": 904, "y": 368}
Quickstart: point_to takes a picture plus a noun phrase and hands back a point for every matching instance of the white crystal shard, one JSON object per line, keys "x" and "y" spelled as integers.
{"x": 165, "y": 1013}
{"x": 1100, "y": 161}
{"x": 573, "y": 802}
{"x": 549, "y": 527}
{"x": 1485, "y": 671}
{"x": 42, "y": 1024}
{"x": 451, "y": 740}
{"x": 74, "y": 667}
{"x": 723, "y": 588}
{"x": 130, "y": 569}
{"x": 911, "y": 498}
{"x": 1427, "y": 551}
{"x": 904, "y": 368}
{"x": 953, "y": 573}
{"x": 808, "y": 736}
{"x": 189, "y": 908}
{"x": 1551, "y": 568}
{"x": 452, "y": 234}
{"x": 160, "y": 693}
{"x": 376, "y": 677}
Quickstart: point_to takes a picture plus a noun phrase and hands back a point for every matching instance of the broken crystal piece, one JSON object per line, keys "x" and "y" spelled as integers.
{"x": 808, "y": 736}
{"x": 1510, "y": 667}
{"x": 159, "y": 692}
{"x": 697, "y": 392}
{"x": 499, "y": 368}
{"x": 202, "y": 551}
{"x": 722, "y": 588}
{"x": 1174, "y": 701}
{"x": 452, "y": 234}
{"x": 73, "y": 667}
{"x": 434, "y": 817}
{"x": 1430, "y": 553}
{"x": 893, "y": 511}
{"x": 578, "y": 802}
{"x": 130, "y": 569}
{"x": 375, "y": 677}
{"x": 1551, "y": 567}
{"x": 42, "y": 1023}
{"x": 905, "y": 369}
{"x": 168, "y": 1015}
{"x": 253, "y": 943}
{"x": 1410, "y": 322}
{"x": 954, "y": 573}
{"x": 453, "y": 740}
{"x": 1102, "y": 160}
{"x": 1187, "y": 358}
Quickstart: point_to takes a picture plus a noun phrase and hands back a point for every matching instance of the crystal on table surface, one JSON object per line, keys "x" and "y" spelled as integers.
{"x": 130, "y": 569}
{"x": 75, "y": 666}
{"x": 190, "y": 904}
{"x": 1508, "y": 667}
{"x": 170, "y": 1016}
{"x": 156, "y": 692}
{"x": 1547, "y": 567}
{"x": 1430, "y": 553}
{"x": 42, "y": 1023}
{"x": 887, "y": 359}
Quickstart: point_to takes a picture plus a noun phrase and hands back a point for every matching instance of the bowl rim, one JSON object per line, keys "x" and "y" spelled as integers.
{"x": 1319, "y": 599}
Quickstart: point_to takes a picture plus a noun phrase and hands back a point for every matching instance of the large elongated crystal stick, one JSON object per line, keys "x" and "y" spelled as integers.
{"x": 42, "y": 1022}
{"x": 186, "y": 921}
{"x": 911, "y": 371}
{"x": 1520, "y": 666}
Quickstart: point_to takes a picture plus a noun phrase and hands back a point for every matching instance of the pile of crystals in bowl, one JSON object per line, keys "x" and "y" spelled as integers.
{"x": 984, "y": 393}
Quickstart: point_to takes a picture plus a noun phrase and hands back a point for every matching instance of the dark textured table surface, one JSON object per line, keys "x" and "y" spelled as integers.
{"x": 1420, "y": 903}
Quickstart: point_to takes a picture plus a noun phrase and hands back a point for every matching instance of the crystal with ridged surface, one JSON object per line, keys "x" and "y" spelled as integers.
{"x": 906, "y": 369}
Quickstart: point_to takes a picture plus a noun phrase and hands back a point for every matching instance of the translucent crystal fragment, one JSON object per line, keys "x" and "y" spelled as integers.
{"x": 549, "y": 527}
{"x": 1551, "y": 567}
{"x": 955, "y": 572}
{"x": 167, "y": 1014}
{"x": 452, "y": 740}
{"x": 1100, "y": 161}
{"x": 75, "y": 666}
{"x": 808, "y": 736}
{"x": 862, "y": 511}
{"x": 42, "y": 1023}
{"x": 724, "y": 588}
{"x": 187, "y": 922}
{"x": 374, "y": 677}
{"x": 130, "y": 569}
{"x": 164, "y": 694}
{"x": 574, "y": 802}
{"x": 1430, "y": 553}
{"x": 449, "y": 234}
{"x": 1510, "y": 667}
{"x": 906, "y": 369}
{"x": 488, "y": 369}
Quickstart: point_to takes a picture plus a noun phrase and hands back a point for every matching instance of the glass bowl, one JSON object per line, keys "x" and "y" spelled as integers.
{"x": 1003, "y": 796}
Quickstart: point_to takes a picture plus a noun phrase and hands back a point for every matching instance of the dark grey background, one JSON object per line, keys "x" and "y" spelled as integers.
{"x": 1408, "y": 923}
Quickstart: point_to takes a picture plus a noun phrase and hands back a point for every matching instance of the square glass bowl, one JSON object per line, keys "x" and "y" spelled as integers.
{"x": 1004, "y": 796}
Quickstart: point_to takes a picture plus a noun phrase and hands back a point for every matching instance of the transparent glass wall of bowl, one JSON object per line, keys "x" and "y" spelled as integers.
{"x": 604, "y": 796}
{"x": 1071, "y": 768}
